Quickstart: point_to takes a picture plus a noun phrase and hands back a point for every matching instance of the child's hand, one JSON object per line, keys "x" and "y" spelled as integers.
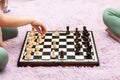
{"x": 39, "y": 26}
{"x": 6, "y": 44}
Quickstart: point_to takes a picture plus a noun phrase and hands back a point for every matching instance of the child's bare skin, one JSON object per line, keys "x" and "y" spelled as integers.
{"x": 17, "y": 21}
{"x": 112, "y": 35}
{"x": 10, "y": 20}
{"x": 7, "y": 44}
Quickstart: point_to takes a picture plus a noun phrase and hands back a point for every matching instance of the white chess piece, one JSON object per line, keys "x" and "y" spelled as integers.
{"x": 56, "y": 32}
{"x": 28, "y": 53}
{"x": 54, "y": 44}
{"x": 37, "y": 49}
{"x": 39, "y": 40}
{"x": 32, "y": 32}
{"x": 53, "y": 54}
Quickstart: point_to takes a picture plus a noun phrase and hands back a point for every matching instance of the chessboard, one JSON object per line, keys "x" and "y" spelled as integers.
{"x": 59, "y": 48}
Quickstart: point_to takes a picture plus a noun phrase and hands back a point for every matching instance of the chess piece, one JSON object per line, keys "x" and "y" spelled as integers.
{"x": 53, "y": 56}
{"x": 30, "y": 40}
{"x": 89, "y": 48}
{"x": 88, "y": 51}
{"x": 86, "y": 39}
{"x": 54, "y": 44}
{"x": 76, "y": 40}
{"x": 56, "y": 32}
{"x": 67, "y": 32}
{"x": 77, "y": 34}
{"x": 32, "y": 33}
{"x": 85, "y": 32}
{"x": 28, "y": 53}
{"x": 77, "y": 48}
{"x": 29, "y": 45}
{"x": 61, "y": 54}
{"x": 84, "y": 28}
{"x": 37, "y": 48}
{"x": 88, "y": 56}
{"x": 39, "y": 40}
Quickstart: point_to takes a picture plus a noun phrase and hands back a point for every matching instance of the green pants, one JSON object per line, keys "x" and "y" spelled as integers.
{"x": 7, "y": 33}
{"x": 111, "y": 18}
{"x": 3, "y": 58}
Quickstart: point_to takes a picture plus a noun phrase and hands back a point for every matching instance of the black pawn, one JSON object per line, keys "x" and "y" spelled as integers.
{"x": 77, "y": 34}
{"x": 67, "y": 32}
{"x": 89, "y": 56}
{"x": 77, "y": 48}
{"x": 89, "y": 48}
{"x": 61, "y": 54}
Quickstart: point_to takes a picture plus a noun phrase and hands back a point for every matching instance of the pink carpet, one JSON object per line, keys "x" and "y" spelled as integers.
{"x": 60, "y": 13}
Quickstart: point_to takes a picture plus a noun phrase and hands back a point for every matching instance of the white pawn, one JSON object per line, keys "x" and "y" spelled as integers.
{"x": 53, "y": 54}
{"x": 54, "y": 44}
{"x": 56, "y": 32}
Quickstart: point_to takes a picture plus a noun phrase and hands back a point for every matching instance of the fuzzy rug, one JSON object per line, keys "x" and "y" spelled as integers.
{"x": 60, "y": 13}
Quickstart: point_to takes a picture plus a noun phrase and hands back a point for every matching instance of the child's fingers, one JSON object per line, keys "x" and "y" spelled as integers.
{"x": 43, "y": 27}
{"x": 40, "y": 29}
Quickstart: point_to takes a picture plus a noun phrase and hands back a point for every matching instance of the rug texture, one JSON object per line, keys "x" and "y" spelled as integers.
{"x": 61, "y": 13}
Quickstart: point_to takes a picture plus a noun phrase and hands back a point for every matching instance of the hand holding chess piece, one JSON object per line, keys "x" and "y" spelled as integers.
{"x": 39, "y": 26}
{"x": 32, "y": 33}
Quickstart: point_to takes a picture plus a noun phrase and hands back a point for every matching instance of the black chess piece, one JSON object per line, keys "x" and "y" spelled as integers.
{"x": 87, "y": 44}
{"x": 84, "y": 28}
{"x": 77, "y": 48}
{"x": 61, "y": 54}
{"x": 88, "y": 56}
{"x": 89, "y": 48}
{"x": 67, "y": 32}
{"x": 85, "y": 32}
{"x": 76, "y": 40}
{"x": 88, "y": 51}
{"x": 77, "y": 34}
{"x": 85, "y": 38}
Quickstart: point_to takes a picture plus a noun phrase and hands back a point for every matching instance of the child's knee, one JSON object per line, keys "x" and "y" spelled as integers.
{"x": 107, "y": 14}
{"x": 9, "y": 33}
{"x": 3, "y": 58}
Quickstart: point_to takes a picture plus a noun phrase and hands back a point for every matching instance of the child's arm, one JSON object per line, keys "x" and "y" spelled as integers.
{"x": 17, "y": 21}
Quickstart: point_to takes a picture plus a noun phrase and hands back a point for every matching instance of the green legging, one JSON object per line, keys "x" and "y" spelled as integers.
{"x": 3, "y": 58}
{"x": 111, "y": 18}
{"x": 7, "y": 33}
